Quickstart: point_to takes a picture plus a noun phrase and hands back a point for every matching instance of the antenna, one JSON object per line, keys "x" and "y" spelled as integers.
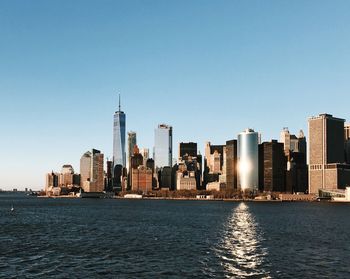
{"x": 119, "y": 102}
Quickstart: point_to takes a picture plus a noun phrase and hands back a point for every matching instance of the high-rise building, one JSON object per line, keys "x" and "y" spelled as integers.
{"x": 91, "y": 170}
{"x": 295, "y": 151}
{"x": 292, "y": 142}
{"x": 347, "y": 142}
{"x": 214, "y": 157}
{"x": 327, "y": 168}
{"x": 272, "y": 167}
{"x": 66, "y": 176}
{"x": 141, "y": 179}
{"x": 131, "y": 144}
{"x": 187, "y": 148}
{"x": 163, "y": 146}
{"x": 85, "y": 168}
{"x": 119, "y": 155}
{"x": 248, "y": 160}
{"x": 109, "y": 176}
{"x": 213, "y": 163}
{"x": 347, "y": 131}
{"x": 51, "y": 181}
{"x": 165, "y": 178}
{"x": 145, "y": 154}
{"x": 231, "y": 164}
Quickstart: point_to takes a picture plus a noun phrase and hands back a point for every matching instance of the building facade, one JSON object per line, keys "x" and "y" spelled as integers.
{"x": 347, "y": 142}
{"x": 119, "y": 127}
{"x": 327, "y": 168}
{"x": 142, "y": 179}
{"x": 163, "y": 146}
{"x": 186, "y": 181}
{"x": 187, "y": 149}
{"x": 92, "y": 172}
{"x": 248, "y": 160}
{"x": 231, "y": 164}
{"x": 132, "y": 141}
{"x": 295, "y": 149}
{"x": 272, "y": 167}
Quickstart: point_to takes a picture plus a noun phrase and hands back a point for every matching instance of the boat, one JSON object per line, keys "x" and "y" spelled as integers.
{"x": 12, "y": 209}
{"x": 92, "y": 195}
{"x": 133, "y": 196}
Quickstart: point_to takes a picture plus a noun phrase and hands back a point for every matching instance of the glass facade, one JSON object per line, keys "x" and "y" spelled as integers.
{"x": 248, "y": 160}
{"x": 119, "y": 155}
{"x": 163, "y": 146}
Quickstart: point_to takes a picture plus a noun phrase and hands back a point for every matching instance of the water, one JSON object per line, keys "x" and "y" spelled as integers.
{"x": 77, "y": 238}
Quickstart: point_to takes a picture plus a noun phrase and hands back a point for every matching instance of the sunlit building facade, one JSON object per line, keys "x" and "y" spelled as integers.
{"x": 327, "y": 168}
{"x": 248, "y": 160}
{"x": 92, "y": 172}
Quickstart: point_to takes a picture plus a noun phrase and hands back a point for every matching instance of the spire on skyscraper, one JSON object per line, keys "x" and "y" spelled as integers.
{"x": 119, "y": 156}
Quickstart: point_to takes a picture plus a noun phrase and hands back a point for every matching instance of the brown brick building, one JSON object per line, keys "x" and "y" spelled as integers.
{"x": 327, "y": 168}
{"x": 231, "y": 164}
{"x": 272, "y": 167}
{"x": 141, "y": 179}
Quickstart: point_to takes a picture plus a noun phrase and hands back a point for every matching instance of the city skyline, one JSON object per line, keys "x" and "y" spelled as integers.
{"x": 235, "y": 65}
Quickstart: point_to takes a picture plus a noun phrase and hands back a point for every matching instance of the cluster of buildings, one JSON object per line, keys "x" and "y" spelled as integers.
{"x": 244, "y": 163}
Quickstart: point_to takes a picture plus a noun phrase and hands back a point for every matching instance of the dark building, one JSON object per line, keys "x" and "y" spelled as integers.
{"x": 297, "y": 172}
{"x": 118, "y": 175}
{"x": 165, "y": 177}
{"x": 188, "y": 148}
{"x": 151, "y": 165}
{"x": 109, "y": 177}
{"x": 76, "y": 179}
{"x": 231, "y": 164}
{"x": 272, "y": 167}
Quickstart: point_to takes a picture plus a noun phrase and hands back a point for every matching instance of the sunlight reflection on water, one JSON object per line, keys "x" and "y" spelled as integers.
{"x": 240, "y": 249}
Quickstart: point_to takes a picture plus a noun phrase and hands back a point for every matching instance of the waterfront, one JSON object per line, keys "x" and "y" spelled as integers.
{"x": 116, "y": 238}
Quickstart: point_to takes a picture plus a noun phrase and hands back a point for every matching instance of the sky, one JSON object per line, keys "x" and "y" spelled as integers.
{"x": 208, "y": 68}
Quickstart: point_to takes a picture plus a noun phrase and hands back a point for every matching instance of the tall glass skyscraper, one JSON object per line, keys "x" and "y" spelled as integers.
{"x": 163, "y": 146}
{"x": 248, "y": 160}
{"x": 119, "y": 155}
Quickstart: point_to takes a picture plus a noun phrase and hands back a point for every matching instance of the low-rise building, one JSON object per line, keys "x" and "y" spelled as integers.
{"x": 186, "y": 181}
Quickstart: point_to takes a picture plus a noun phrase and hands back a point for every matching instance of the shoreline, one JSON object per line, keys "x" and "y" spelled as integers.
{"x": 199, "y": 199}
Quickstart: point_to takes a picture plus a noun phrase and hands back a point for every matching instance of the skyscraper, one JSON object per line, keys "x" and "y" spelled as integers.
{"x": 347, "y": 142}
{"x": 295, "y": 151}
{"x": 327, "y": 157}
{"x": 231, "y": 164}
{"x": 187, "y": 148}
{"x": 248, "y": 160}
{"x": 145, "y": 154}
{"x": 85, "y": 168}
{"x": 272, "y": 166}
{"x": 91, "y": 170}
{"x": 131, "y": 144}
{"x": 119, "y": 155}
{"x": 163, "y": 146}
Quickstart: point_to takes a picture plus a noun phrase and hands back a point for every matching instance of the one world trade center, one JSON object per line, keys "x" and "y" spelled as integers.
{"x": 119, "y": 155}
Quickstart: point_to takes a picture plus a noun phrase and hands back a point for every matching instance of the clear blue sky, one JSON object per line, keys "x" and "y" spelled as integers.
{"x": 208, "y": 68}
